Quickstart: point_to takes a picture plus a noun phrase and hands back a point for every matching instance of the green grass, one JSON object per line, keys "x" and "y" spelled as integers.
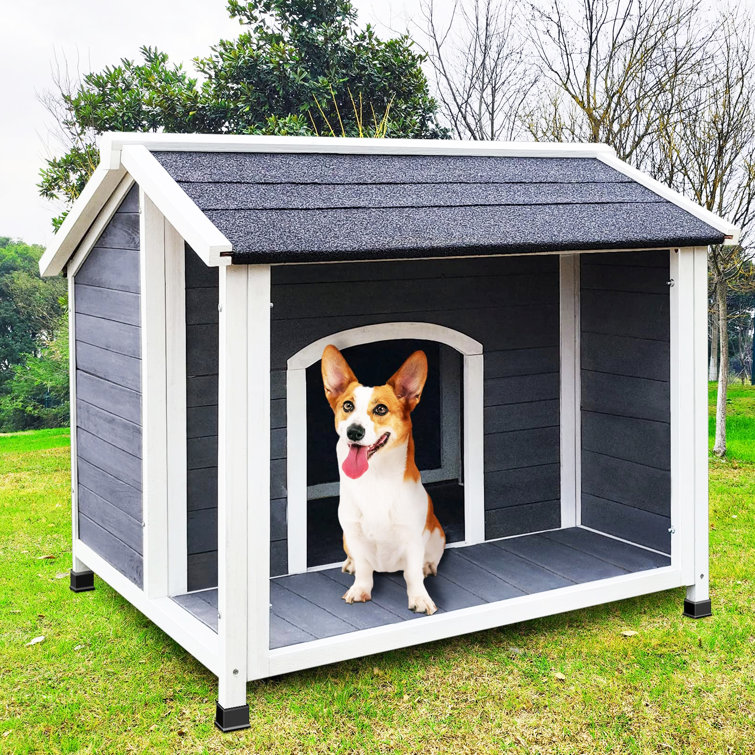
{"x": 740, "y": 421}
{"x": 105, "y": 680}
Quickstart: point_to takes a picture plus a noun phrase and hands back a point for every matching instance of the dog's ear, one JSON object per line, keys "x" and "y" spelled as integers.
{"x": 409, "y": 380}
{"x": 336, "y": 374}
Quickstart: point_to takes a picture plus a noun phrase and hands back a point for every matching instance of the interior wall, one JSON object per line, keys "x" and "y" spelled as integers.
{"x": 202, "y": 345}
{"x": 626, "y": 446}
{"x": 108, "y": 393}
{"x": 509, "y": 304}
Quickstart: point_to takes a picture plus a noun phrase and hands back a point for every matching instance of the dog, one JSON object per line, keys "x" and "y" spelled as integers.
{"x": 386, "y": 515}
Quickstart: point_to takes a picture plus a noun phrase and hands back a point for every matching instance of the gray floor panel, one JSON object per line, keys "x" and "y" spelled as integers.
{"x": 309, "y": 606}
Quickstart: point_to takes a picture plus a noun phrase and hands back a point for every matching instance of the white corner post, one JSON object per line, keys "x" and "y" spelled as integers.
{"x": 175, "y": 349}
{"x": 258, "y": 470}
{"x": 570, "y": 395}
{"x": 689, "y": 419}
{"x": 154, "y": 396}
{"x": 77, "y": 565}
{"x": 698, "y": 590}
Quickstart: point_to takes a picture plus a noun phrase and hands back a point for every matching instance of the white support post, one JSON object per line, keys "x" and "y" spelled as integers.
{"x": 682, "y": 345}
{"x": 296, "y": 468}
{"x": 233, "y": 481}
{"x": 699, "y": 589}
{"x": 175, "y": 318}
{"x": 258, "y": 471}
{"x": 154, "y": 410}
{"x": 571, "y": 460}
{"x": 474, "y": 452}
{"x": 77, "y": 564}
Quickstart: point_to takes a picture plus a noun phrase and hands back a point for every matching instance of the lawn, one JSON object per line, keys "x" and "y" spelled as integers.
{"x": 105, "y": 680}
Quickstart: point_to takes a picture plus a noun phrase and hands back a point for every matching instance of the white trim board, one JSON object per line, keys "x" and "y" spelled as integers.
{"x": 189, "y": 632}
{"x": 113, "y": 142}
{"x": 97, "y": 228}
{"x": 80, "y": 218}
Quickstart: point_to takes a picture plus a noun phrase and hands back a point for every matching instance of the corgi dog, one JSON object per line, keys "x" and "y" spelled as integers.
{"x": 386, "y": 515}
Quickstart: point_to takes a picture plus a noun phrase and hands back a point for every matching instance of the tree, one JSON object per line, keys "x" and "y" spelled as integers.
{"x": 29, "y": 306}
{"x": 36, "y": 392}
{"x": 672, "y": 89}
{"x": 480, "y": 69}
{"x": 299, "y": 67}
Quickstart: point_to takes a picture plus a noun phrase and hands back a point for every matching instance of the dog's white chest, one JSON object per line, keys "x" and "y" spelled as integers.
{"x": 389, "y": 516}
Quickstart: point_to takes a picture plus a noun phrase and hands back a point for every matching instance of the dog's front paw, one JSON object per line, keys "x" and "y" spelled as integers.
{"x": 348, "y": 566}
{"x": 422, "y": 604}
{"x": 357, "y": 594}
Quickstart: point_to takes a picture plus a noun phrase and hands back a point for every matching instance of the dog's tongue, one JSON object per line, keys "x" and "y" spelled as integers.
{"x": 355, "y": 464}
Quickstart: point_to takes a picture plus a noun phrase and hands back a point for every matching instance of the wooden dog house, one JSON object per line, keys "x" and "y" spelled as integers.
{"x": 561, "y": 297}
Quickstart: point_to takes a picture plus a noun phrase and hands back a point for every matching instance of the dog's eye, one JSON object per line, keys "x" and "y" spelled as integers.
{"x": 348, "y": 406}
{"x": 380, "y": 409}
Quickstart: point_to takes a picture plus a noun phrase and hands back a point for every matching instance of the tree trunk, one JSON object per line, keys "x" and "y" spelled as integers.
{"x": 713, "y": 363}
{"x": 723, "y": 369}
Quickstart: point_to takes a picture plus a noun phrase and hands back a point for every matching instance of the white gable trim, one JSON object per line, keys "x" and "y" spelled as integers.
{"x": 99, "y": 225}
{"x": 111, "y": 143}
{"x": 180, "y": 211}
{"x": 80, "y": 218}
{"x": 731, "y": 231}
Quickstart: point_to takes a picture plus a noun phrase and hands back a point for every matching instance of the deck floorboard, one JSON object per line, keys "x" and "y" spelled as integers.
{"x": 304, "y": 607}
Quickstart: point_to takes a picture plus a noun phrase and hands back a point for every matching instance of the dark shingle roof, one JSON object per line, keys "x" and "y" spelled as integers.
{"x": 322, "y": 207}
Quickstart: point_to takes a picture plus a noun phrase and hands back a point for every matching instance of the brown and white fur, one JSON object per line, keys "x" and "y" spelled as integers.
{"x": 386, "y": 515}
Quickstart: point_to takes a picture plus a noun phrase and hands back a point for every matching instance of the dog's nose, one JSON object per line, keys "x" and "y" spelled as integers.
{"x": 355, "y": 432}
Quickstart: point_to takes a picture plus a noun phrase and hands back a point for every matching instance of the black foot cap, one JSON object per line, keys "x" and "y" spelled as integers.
{"x": 82, "y": 581}
{"x": 232, "y": 719}
{"x": 697, "y": 609}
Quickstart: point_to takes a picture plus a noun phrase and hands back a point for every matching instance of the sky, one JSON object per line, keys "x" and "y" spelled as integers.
{"x": 89, "y": 34}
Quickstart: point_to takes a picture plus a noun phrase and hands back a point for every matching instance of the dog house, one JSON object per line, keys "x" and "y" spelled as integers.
{"x": 561, "y": 298}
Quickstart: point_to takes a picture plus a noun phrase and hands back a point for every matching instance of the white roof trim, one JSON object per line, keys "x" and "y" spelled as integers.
{"x": 114, "y": 142}
{"x": 731, "y": 231}
{"x": 179, "y": 210}
{"x": 80, "y": 218}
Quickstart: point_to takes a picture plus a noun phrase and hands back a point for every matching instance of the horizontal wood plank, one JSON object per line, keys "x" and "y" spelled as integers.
{"x": 521, "y": 448}
{"x": 121, "y": 306}
{"x": 116, "y": 462}
{"x": 635, "y": 525}
{"x": 111, "y": 518}
{"x": 117, "y": 269}
{"x": 625, "y": 396}
{"x": 626, "y": 482}
{"x": 108, "y": 334}
{"x": 638, "y": 440}
{"x": 126, "y": 560}
{"x": 121, "y": 401}
{"x": 525, "y": 517}
{"x": 622, "y": 355}
{"x": 115, "y": 430}
{"x": 115, "y": 491}
{"x": 117, "y": 368}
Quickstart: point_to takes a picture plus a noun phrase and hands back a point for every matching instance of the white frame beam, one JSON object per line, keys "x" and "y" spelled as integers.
{"x": 233, "y": 486}
{"x": 570, "y": 391}
{"x": 154, "y": 398}
{"x": 699, "y": 588}
{"x": 176, "y": 437}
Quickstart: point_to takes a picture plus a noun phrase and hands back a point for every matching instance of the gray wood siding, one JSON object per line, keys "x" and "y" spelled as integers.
{"x": 202, "y": 343}
{"x": 108, "y": 393}
{"x": 626, "y": 452}
{"x": 509, "y": 304}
